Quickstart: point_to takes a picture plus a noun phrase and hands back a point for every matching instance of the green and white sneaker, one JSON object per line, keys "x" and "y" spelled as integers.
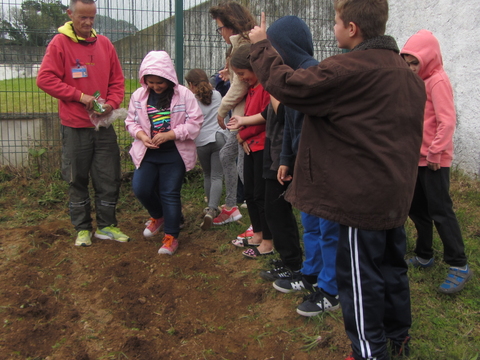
{"x": 84, "y": 238}
{"x": 111, "y": 233}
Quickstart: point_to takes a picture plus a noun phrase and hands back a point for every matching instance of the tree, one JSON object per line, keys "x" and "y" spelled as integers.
{"x": 42, "y": 18}
{"x": 12, "y": 26}
{"x": 35, "y": 22}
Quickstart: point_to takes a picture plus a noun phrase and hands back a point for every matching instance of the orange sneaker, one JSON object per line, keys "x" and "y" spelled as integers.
{"x": 170, "y": 245}
{"x": 153, "y": 227}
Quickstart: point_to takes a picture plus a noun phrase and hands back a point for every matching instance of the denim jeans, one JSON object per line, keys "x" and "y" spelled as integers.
{"x": 320, "y": 240}
{"x": 157, "y": 184}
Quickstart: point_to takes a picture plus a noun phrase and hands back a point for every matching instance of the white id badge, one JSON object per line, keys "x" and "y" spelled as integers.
{"x": 79, "y": 72}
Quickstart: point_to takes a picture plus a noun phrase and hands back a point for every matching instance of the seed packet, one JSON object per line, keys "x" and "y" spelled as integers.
{"x": 98, "y": 102}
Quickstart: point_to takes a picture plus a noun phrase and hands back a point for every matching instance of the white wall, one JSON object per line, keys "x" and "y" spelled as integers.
{"x": 9, "y": 71}
{"x": 455, "y": 24}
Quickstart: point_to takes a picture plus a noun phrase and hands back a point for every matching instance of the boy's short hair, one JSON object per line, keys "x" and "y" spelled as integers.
{"x": 369, "y": 15}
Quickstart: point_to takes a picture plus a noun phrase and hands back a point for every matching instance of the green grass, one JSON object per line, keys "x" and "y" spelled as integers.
{"x": 22, "y": 96}
{"x": 446, "y": 327}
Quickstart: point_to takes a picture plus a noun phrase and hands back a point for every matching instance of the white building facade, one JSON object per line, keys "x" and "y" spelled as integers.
{"x": 454, "y": 23}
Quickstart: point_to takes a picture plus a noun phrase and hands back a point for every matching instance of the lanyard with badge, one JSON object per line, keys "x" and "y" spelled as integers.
{"x": 79, "y": 71}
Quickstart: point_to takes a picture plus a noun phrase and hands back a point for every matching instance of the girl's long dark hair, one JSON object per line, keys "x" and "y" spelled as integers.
{"x": 165, "y": 98}
{"x": 198, "y": 78}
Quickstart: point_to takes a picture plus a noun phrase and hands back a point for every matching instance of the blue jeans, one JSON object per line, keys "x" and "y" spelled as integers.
{"x": 157, "y": 183}
{"x": 320, "y": 240}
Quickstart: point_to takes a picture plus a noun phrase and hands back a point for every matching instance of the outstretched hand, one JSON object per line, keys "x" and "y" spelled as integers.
{"x": 235, "y": 122}
{"x": 259, "y": 33}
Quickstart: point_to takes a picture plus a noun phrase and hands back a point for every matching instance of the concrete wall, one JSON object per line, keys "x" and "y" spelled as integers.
{"x": 205, "y": 49}
{"x": 20, "y": 61}
{"x": 453, "y": 23}
{"x": 21, "y": 134}
{"x": 11, "y": 71}
{"x": 21, "y": 55}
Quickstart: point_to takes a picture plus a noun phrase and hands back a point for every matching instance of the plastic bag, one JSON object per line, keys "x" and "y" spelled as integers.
{"x": 104, "y": 120}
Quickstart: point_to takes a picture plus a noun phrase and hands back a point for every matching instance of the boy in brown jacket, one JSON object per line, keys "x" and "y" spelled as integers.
{"x": 357, "y": 164}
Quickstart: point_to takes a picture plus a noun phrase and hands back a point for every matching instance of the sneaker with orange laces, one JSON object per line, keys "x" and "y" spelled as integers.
{"x": 227, "y": 216}
{"x": 170, "y": 245}
{"x": 248, "y": 234}
{"x": 153, "y": 227}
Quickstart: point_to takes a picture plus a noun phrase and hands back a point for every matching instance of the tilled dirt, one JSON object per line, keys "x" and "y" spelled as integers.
{"x": 124, "y": 301}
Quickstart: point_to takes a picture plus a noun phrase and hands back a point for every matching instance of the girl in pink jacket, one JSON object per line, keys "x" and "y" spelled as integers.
{"x": 164, "y": 119}
{"x": 431, "y": 203}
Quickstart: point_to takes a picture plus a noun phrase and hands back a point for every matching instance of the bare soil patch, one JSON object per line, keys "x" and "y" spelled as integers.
{"x": 124, "y": 301}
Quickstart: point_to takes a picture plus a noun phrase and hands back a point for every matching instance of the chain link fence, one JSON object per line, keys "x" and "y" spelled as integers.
{"x": 29, "y": 125}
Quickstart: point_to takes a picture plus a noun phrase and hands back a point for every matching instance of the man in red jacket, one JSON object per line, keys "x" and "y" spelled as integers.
{"x": 78, "y": 62}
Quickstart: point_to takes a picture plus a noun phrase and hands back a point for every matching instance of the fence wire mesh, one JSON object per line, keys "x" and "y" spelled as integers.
{"x": 29, "y": 124}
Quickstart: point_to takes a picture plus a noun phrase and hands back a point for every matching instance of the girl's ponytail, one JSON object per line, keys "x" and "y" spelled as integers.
{"x": 204, "y": 89}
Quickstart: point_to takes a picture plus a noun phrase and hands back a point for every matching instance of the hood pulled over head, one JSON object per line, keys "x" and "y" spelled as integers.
{"x": 157, "y": 63}
{"x": 426, "y": 48}
{"x": 292, "y": 39}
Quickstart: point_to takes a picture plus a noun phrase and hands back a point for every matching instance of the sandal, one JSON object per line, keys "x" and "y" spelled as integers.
{"x": 253, "y": 253}
{"x": 455, "y": 280}
{"x": 242, "y": 243}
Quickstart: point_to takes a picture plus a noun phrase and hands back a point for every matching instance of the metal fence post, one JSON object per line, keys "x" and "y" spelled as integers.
{"x": 179, "y": 39}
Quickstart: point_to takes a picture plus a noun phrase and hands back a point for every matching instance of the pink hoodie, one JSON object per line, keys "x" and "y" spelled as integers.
{"x": 440, "y": 118}
{"x": 186, "y": 116}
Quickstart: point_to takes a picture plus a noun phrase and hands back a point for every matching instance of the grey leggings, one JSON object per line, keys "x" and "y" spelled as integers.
{"x": 209, "y": 156}
{"x": 232, "y": 167}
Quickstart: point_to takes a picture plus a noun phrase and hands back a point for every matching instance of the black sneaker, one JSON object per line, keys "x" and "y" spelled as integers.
{"x": 279, "y": 271}
{"x": 296, "y": 282}
{"x": 318, "y": 302}
{"x": 400, "y": 349}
